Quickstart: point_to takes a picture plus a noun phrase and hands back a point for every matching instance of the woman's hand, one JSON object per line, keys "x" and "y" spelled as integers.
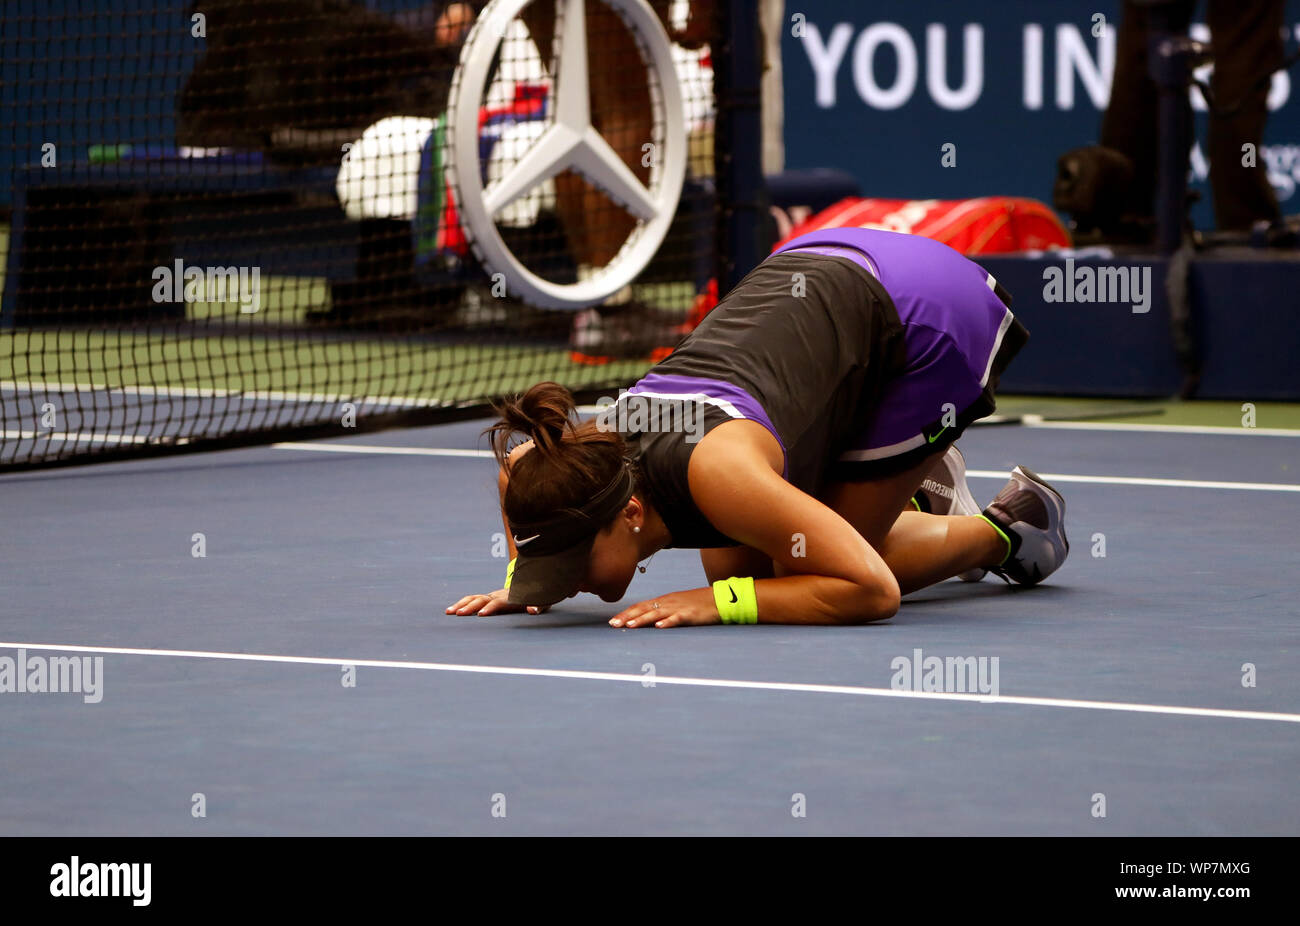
{"x": 495, "y": 603}
{"x": 679, "y": 609}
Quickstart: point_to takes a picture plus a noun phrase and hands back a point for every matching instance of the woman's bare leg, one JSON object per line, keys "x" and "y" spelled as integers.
{"x": 923, "y": 549}
{"x": 920, "y": 549}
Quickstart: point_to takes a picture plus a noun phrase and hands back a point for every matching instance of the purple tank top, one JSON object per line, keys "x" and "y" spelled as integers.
{"x": 935, "y": 290}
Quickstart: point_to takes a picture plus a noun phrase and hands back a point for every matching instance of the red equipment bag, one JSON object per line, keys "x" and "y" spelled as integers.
{"x": 988, "y": 225}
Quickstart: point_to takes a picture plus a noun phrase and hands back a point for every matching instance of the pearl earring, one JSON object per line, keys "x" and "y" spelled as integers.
{"x": 636, "y": 530}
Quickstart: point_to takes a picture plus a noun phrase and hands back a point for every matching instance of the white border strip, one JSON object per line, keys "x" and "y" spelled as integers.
{"x": 267, "y": 395}
{"x": 877, "y": 453}
{"x": 82, "y": 438}
{"x": 370, "y": 448}
{"x": 1140, "y": 481}
{"x": 723, "y": 404}
{"x": 674, "y": 680}
{"x": 997, "y": 342}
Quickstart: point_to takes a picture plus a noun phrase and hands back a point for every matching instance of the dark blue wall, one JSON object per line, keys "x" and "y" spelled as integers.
{"x": 88, "y": 73}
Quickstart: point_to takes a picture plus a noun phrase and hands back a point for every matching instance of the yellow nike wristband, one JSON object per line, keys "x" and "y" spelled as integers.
{"x": 736, "y": 601}
{"x": 510, "y": 573}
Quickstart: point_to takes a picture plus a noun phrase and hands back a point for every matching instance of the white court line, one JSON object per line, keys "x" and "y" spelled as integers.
{"x": 1141, "y": 481}
{"x": 1031, "y": 421}
{"x": 208, "y": 393}
{"x": 976, "y": 473}
{"x": 674, "y": 680}
{"x": 1037, "y": 421}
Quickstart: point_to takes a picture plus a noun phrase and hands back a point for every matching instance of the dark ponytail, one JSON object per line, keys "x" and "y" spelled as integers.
{"x": 569, "y": 462}
{"x": 545, "y": 413}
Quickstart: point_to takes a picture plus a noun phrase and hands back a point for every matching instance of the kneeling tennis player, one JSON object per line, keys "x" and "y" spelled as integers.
{"x": 808, "y": 454}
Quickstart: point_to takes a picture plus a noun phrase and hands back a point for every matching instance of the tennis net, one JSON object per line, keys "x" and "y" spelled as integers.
{"x": 231, "y": 222}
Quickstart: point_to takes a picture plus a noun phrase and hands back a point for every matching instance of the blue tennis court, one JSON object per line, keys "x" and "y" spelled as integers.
{"x": 265, "y": 268}
{"x": 301, "y": 676}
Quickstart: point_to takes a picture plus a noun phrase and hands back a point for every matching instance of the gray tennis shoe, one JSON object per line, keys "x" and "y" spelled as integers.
{"x": 1032, "y": 516}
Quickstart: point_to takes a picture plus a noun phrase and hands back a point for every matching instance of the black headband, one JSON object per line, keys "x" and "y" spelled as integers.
{"x": 573, "y": 525}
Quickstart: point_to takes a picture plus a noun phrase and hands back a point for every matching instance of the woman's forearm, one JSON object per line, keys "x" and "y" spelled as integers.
{"x": 806, "y": 599}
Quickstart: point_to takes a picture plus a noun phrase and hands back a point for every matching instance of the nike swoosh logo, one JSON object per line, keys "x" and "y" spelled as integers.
{"x": 520, "y": 543}
{"x": 931, "y": 439}
{"x": 733, "y": 594}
